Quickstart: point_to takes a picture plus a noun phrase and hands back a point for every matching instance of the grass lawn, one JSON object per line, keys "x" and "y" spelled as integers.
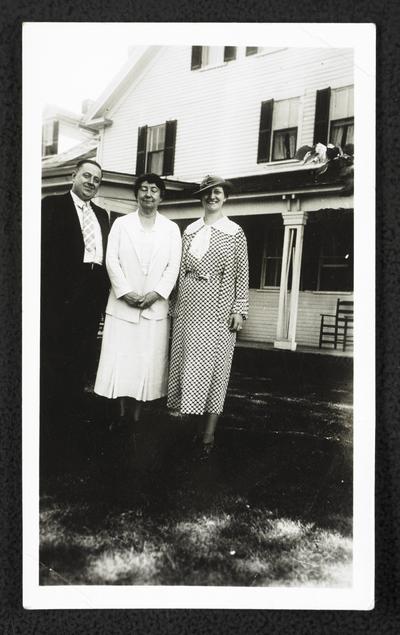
{"x": 272, "y": 507}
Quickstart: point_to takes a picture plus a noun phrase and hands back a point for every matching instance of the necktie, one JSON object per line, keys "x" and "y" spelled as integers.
{"x": 88, "y": 229}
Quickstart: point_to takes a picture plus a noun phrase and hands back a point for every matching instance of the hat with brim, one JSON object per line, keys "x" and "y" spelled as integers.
{"x": 211, "y": 181}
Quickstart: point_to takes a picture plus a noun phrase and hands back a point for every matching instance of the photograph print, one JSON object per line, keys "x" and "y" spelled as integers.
{"x": 198, "y": 265}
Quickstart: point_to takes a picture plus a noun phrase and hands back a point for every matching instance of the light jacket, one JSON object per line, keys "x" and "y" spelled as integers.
{"x": 125, "y": 270}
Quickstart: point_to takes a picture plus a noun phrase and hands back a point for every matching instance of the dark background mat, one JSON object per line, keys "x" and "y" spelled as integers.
{"x": 385, "y": 618}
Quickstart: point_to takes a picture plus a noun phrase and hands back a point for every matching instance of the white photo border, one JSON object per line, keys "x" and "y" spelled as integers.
{"x": 360, "y": 596}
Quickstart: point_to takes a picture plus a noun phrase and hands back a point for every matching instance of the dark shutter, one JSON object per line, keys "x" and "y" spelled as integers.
{"x": 169, "y": 150}
{"x": 196, "y": 57}
{"x": 141, "y": 151}
{"x": 264, "y": 137}
{"x": 229, "y": 53}
{"x": 321, "y": 123}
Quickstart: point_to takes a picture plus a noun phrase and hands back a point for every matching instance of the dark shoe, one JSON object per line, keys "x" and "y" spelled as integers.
{"x": 119, "y": 424}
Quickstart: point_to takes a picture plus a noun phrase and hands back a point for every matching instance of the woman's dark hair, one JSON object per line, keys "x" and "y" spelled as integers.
{"x": 151, "y": 179}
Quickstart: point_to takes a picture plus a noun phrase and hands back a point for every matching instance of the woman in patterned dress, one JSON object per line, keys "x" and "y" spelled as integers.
{"x": 143, "y": 256}
{"x": 210, "y": 306}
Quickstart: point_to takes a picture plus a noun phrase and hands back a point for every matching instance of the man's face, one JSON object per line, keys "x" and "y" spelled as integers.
{"x": 86, "y": 181}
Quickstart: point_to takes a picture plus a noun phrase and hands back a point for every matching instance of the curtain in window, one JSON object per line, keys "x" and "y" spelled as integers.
{"x": 155, "y": 162}
{"x": 284, "y": 145}
{"x": 279, "y": 147}
{"x": 341, "y": 134}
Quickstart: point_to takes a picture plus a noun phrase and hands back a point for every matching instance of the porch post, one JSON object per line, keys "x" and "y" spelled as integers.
{"x": 294, "y": 222}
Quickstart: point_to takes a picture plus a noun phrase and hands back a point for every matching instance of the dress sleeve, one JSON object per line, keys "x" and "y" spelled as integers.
{"x": 174, "y": 297}
{"x": 170, "y": 274}
{"x": 241, "y": 301}
{"x": 117, "y": 277}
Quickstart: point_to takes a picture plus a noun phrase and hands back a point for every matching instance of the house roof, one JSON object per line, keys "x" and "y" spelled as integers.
{"x": 130, "y": 73}
{"x": 85, "y": 150}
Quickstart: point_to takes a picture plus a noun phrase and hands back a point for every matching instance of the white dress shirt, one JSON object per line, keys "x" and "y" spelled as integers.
{"x": 88, "y": 257}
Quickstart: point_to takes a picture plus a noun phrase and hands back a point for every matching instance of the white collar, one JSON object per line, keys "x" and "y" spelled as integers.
{"x": 223, "y": 224}
{"x": 78, "y": 201}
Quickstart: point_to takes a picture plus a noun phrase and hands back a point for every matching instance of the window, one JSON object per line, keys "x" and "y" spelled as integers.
{"x": 342, "y": 132}
{"x": 272, "y": 256}
{"x": 335, "y": 270}
{"x": 334, "y": 116}
{"x": 229, "y": 53}
{"x": 284, "y": 144}
{"x": 342, "y": 116}
{"x": 278, "y": 120}
{"x": 203, "y": 56}
{"x": 50, "y": 138}
{"x": 156, "y": 148}
{"x": 251, "y": 50}
{"x": 327, "y": 263}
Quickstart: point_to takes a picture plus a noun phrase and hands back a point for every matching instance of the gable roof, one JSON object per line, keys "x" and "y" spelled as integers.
{"x": 140, "y": 58}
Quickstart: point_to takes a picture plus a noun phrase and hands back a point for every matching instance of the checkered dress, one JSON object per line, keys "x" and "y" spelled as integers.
{"x": 209, "y": 291}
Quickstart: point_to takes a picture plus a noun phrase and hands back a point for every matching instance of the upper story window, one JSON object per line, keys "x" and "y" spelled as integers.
{"x": 252, "y": 50}
{"x": 342, "y": 116}
{"x": 156, "y": 148}
{"x": 334, "y": 116}
{"x": 50, "y": 138}
{"x": 203, "y": 56}
{"x": 278, "y": 130}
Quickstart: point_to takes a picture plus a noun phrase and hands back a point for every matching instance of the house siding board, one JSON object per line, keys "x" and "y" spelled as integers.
{"x": 213, "y": 124}
{"x": 263, "y": 315}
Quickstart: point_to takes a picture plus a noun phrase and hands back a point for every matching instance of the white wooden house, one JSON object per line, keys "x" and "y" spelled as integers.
{"x": 242, "y": 113}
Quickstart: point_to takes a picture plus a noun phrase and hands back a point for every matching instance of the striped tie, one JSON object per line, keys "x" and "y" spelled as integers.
{"x": 88, "y": 229}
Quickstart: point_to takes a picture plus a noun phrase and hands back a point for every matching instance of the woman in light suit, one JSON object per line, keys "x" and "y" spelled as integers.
{"x": 142, "y": 260}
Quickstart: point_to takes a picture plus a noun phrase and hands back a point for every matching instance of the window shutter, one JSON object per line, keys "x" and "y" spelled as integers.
{"x": 321, "y": 123}
{"x": 229, "y": 53}
{"x": 141, "y": 151}
{"x": 169, "y": 150}
{"x": 264, "y": 137}
{"x": 196, "y": 57}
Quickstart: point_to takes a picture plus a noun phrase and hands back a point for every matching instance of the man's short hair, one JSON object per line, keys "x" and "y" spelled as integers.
{"x": 151, "y": 179}
{"x": 84, "y": 161}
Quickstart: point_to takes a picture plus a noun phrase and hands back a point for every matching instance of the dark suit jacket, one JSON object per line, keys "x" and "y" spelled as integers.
{"x": 63, "y": 246}
{"x": 61, "y": 266}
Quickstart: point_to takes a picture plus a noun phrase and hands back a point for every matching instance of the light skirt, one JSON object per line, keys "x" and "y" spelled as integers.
{"x": 134, "y": 359}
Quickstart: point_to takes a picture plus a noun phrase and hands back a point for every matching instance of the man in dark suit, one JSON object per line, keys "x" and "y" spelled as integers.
{"x": 74, "y": 289}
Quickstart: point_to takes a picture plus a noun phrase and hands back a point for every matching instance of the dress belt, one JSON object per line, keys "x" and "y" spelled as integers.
{"x": 206, "y": 276}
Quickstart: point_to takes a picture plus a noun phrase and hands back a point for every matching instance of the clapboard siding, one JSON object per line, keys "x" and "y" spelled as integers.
{"x": 218, "y": 109}
{"x": 263, "y": 315}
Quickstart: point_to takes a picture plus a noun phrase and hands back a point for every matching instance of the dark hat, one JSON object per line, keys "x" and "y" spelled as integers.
{"x": 211, "y": 181}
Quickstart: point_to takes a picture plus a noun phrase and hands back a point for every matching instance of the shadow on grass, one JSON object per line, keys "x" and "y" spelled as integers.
{"x": 272, "y": 506}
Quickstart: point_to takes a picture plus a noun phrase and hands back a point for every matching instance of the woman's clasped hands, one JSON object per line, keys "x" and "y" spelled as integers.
{"x": 140, "y": 301}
